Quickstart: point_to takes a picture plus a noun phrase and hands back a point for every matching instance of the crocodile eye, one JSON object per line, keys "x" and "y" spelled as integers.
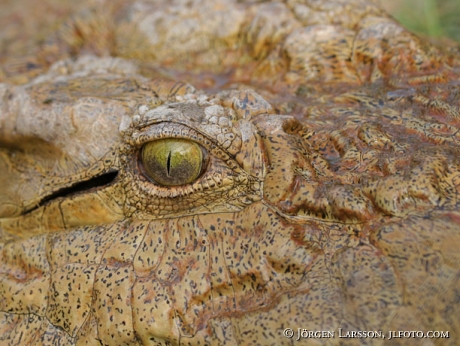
{"x": 173, "y": 162}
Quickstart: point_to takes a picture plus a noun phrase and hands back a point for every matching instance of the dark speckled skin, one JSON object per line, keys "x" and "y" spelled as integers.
{"x": 329, "y": 202}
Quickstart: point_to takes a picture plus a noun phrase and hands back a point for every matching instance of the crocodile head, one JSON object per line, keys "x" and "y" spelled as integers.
{"x": 300, "y": 193}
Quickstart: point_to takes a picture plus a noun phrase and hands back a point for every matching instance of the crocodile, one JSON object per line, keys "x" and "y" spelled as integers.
{"x": 226, "y": 172}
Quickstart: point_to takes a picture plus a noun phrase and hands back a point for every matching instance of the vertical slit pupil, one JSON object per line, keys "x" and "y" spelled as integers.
{"x": 168, "y": 164}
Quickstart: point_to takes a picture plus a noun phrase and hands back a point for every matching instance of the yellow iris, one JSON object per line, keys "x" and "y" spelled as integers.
{"x": 172, "y": 162}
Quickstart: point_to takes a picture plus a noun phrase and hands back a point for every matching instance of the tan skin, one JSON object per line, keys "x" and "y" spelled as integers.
{"x": 320, "y": 189}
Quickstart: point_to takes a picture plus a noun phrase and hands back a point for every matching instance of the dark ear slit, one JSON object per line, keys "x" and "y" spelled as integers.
{"x": 79, "y": 187}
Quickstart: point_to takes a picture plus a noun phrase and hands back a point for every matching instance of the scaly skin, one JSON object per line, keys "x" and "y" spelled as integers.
{"x": 330, "y": 200}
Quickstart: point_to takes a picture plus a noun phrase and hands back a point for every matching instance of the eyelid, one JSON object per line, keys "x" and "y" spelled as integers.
{"x": 177, "y": 130}
{"x": 167, "y": 130}
{"x": 207, "y": 125}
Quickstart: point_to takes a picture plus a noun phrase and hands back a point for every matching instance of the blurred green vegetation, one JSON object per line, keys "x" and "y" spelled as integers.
{"x": 434, "y": 18}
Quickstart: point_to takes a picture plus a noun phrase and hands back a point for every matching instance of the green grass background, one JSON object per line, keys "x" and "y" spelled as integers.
{"x": 434, "y": 18}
